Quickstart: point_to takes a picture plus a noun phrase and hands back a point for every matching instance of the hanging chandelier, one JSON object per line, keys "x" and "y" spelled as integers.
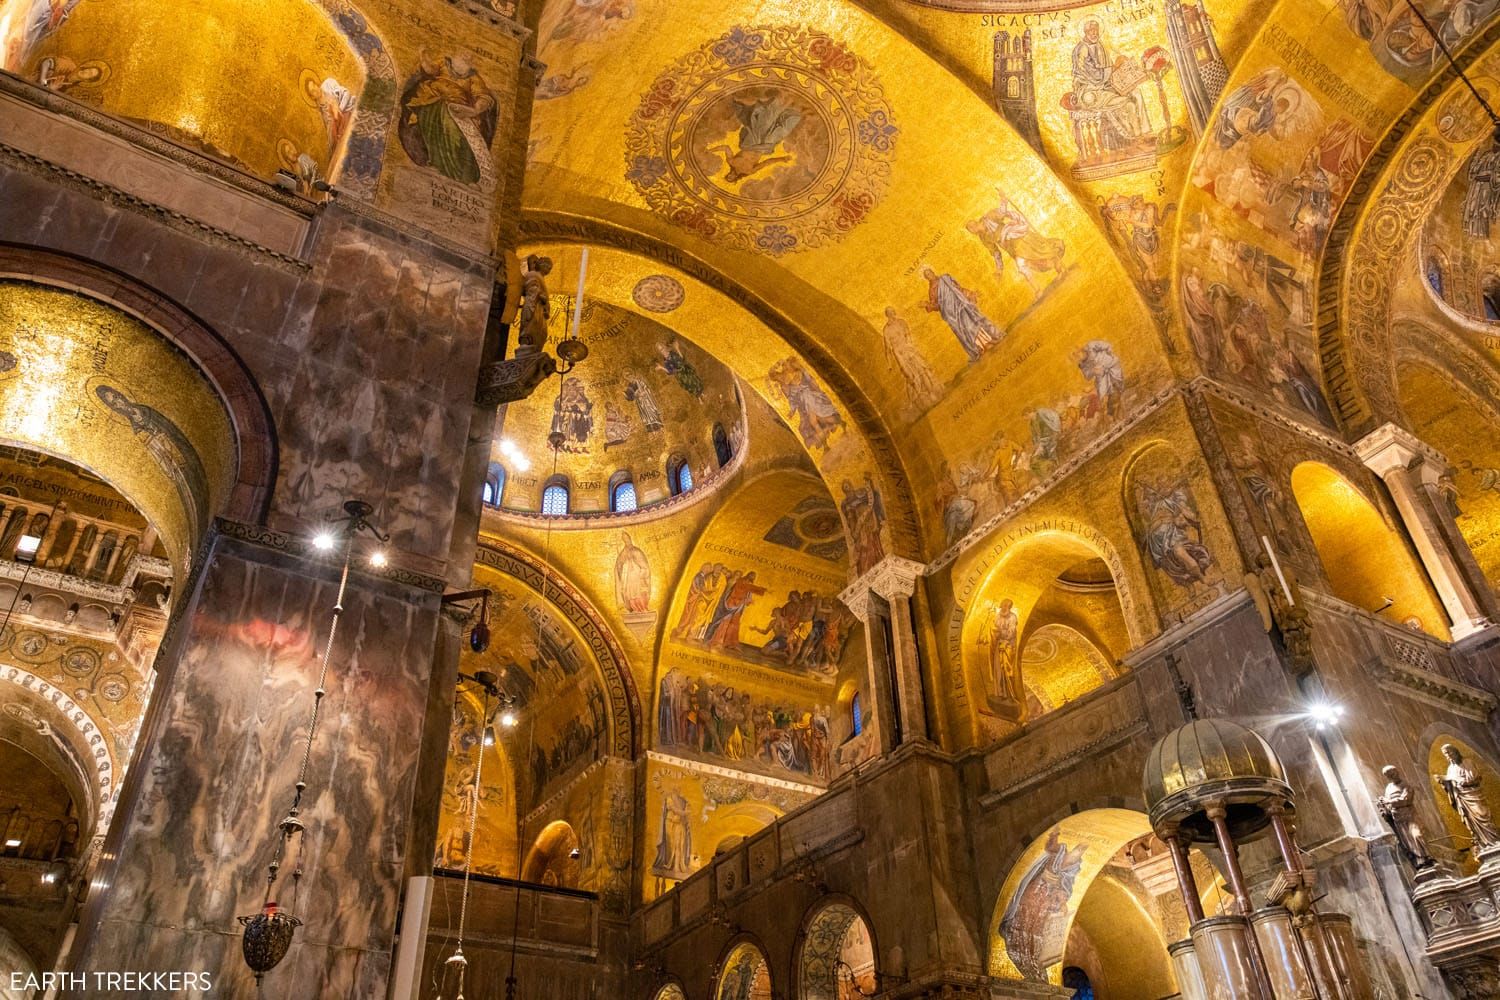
{"x": 268, "y": 934}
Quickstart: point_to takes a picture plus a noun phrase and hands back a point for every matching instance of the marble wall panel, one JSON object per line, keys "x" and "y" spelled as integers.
{"x": 197, "y": 821}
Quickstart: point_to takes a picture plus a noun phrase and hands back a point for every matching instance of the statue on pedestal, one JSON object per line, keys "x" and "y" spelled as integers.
{"x": 1465, "y": 794}
{"x": 1397, "y": 807}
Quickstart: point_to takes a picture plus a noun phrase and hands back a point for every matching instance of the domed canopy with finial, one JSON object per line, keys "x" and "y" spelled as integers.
{"x": 1213, "y": 761}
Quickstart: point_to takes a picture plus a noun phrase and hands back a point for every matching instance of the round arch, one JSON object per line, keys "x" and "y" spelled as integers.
{"x": 1365, "y": 559}
{"x": 835, "y": 946}
{"x": 254, "y": 436}
{"x": 553, "y": 858}
{"x": 841, "y": 427}
{"x": 1038, "y": 575}
{"x": 670, "y": 991}
{"x": 743, "y": 971}
{"x": 1034, "y": 929}
{"x": 619, "y": 683}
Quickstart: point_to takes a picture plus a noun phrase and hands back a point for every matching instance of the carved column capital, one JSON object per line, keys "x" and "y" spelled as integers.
{"x": 1388, "y": 448}
{"x": 893, "y": 578}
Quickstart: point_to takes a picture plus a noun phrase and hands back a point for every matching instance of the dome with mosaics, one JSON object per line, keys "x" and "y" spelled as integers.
{"x": 648, "y": 417}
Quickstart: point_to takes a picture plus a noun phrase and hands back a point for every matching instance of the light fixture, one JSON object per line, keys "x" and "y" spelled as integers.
{"x": 508, "y": 719}
{"x": 26, "y": 548}
{"x": 49, "y": 877}
{"x": 1325, "y": 713}
{"x": 267, "y": 935}
{"x": 489, "y": 736}
{"x": 12, "y": 843}
{"x": 377, "y": 559}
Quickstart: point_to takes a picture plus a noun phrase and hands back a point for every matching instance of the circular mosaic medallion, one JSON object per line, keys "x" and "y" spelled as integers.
{"x": 769, "y": 139}
{"x": 80, "y": 661}
{"x": 658, "y": 293}
{"x": 114, "y": 688}
{"x": 32, "y": 644}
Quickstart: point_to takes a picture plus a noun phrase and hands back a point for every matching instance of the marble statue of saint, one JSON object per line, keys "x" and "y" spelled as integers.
{"x": 1397, "y": 807}
{"x": 1465, "y": 794}
{"x": 1279, "y": 600}
{"x": 536, "y": 302}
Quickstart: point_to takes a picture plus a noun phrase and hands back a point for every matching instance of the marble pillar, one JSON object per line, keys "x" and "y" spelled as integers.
{"x": 218, "y": 757}
{"x": 1411, "y": 470}
{"x": 881, "y": 599}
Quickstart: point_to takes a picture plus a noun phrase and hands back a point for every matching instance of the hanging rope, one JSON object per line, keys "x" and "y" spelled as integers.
{"x": 474, "y": 800}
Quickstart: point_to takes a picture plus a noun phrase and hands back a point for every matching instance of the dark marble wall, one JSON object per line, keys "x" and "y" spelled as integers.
{"x": 222, "y": 751}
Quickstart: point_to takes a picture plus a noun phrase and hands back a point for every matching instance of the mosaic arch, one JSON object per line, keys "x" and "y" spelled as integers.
{"x": 744, "y": 974}
{"x": 808, "y": 390}
{"x": 837, "y": 954}
{"x": 37, "y": 706}
{"x": 621, "y": 699}
{"x": 327, "y": 96}
{"x": 1367, "y": 561}
{"x": 1041, "y": 895}
{"x": 141, "y": 414}
{"x": 977, "y": 305}
{"x": 1344, "y": 137}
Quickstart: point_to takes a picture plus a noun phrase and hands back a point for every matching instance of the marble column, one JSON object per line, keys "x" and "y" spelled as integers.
{"x": 881, "y": 599}
{"x": 218, "y": 758}
{"x": 1412, "y": 472}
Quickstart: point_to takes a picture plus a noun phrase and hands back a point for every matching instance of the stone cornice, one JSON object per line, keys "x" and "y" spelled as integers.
{"x": 1389, "y": 447}
{"x": 114, "y": 196}
{"x": 302, "y": 548}
{"x": 1432, "y": 688}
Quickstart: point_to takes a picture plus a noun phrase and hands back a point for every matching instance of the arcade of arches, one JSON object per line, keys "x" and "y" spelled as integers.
{"x": 865, "y": 498}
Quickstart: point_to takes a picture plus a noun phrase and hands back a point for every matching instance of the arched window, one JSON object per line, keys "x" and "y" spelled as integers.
{"x": 856, "y": 717}
{"x": 494, "y": 485}
{"x": 555, "y": 497}
{"x": 722, "y": 448}
{"x": 622, "y": 493}
{"x": 679, "y": 475}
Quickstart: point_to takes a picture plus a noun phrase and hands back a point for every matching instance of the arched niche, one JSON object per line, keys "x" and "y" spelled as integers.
{"x": 1365, "y": 559}
{"x": 671, "y": 991}
{"x": 89, "y": 382}
{"x": 744, "y": 974}
{"x": 1450, "y": 418}
{"x": 1059, "y": 664}
{"x": 256, "y": 85}
{"x": 1076, "y": 897}
{"x": 553, "y": 859}
{"x": 1454, "y": 830}
{"x": 836, "y": 954}
{"x": 1179, "y": 544}
{"x": 1047, "y": 578}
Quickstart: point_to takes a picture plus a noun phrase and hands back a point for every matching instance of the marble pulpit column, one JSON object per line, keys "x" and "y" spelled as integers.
{"x": 218, "y": 756}
{"x": 881, "y": 599}
{"x": 1412, "y": 471}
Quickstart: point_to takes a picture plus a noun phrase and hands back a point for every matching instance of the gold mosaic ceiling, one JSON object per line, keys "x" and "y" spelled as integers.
{"x": 644, "y": 398}
{"x": 975, "y": 213}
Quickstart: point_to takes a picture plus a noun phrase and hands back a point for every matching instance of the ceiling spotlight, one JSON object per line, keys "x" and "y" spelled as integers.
{"x": 377, "y": 558}
{"x": 49, "y": 877}
{"x": 508, "y": 719}
{"x": 13, "y": 842}
{"x": 574, "y": 854}
{"x": 323, "y": 541}
{"x": 1325, "y": 713}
